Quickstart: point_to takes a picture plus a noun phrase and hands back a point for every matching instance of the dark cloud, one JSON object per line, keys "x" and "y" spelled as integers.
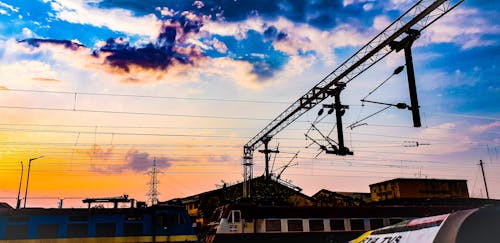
{"x": 140, "y": 162}
{"x": 323, "y": 14}
{"x": 169, "y": 48}
{"x": 172, "y": 47}
{"x": 66, "y": 43}
{"x": 133, "y": 160}
{"x": 272, "y": 33}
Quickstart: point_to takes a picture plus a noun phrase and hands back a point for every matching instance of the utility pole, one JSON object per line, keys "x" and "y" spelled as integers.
{"x": 18, "y": 204}
{"x": 267, "y": 155}
{"x": 484, "y": 178}
{"x": 28, "y": 179}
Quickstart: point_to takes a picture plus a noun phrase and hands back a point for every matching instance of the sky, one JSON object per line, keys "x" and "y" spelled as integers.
{"x": 104, "y": 89}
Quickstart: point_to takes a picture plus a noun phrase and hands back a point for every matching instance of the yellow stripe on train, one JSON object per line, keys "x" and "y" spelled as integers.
{"x": 131, "y": 239}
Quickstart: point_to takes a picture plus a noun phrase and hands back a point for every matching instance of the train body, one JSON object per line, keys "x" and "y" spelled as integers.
{"x": 151, "y": 224}
{"x": 250, "y": 223}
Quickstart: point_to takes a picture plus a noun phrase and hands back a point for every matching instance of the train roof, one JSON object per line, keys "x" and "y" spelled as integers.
{"x": 83, "y": 211}
{"x": 341, "y": 212}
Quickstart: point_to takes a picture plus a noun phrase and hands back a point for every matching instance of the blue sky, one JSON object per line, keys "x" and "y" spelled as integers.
{"x": 237, "y": 59}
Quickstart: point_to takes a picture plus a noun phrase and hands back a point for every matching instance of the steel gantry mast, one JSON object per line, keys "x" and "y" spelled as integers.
{"x": 399, "y": 35}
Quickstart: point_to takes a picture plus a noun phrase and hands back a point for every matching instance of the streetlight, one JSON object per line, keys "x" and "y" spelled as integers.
{"x": 28, "y": 179}
{"x": 19, "y": 190}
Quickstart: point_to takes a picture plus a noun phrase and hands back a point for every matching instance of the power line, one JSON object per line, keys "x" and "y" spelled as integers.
{"x": 146, "y": 96}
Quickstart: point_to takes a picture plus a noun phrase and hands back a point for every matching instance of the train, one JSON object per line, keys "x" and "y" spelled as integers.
{"x": 471, "y": 225}
{"x": 158, "y": 223}
{"x": 247, "y": 223}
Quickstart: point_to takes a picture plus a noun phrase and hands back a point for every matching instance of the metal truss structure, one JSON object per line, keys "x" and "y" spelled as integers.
{"x": 417, "y": 18}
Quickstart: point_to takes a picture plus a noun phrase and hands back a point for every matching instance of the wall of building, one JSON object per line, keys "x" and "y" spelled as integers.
{"x": 418, "y": 188}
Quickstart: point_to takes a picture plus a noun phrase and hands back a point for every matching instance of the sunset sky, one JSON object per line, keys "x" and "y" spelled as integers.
{"x": 102, "y": 88}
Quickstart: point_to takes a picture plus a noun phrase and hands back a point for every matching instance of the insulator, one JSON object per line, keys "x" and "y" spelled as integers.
{"x": 399, "y": 69}
{"x": 401, "y": 105}
{"x": 320, "y": 112}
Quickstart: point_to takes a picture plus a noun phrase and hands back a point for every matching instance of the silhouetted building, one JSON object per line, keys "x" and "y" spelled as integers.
{"x": 414, "y": 188}
{"x": 264, "y": 191}
{"x": 326, "y": 198}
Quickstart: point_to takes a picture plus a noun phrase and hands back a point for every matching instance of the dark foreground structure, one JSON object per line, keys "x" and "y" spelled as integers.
{"x": 149, "y": 224}
{"x": 473, "y": 225}
{"x": 252, "y": 223}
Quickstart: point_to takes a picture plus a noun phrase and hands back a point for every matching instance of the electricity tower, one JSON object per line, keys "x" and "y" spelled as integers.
{"x": 153, "y": 183}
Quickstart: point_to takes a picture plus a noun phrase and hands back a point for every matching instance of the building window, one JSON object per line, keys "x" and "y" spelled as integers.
{"x": 13, "y": 232}
{"x": 77, "y": 230}
{"x": 316, "y": 225}
{"x": 45, "y": 231}
{"x": 105, "y": 229}
{"x": 357, "y": 224}
{"x": 132, "y": 229}
{"x": 337, "y": 224}
{"x": 376, "y": 223}
{"x": 295, "y": 225}
{"x": 273, "y": 225}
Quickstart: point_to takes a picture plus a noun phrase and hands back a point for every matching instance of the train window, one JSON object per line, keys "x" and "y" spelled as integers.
{"x": 170, "y": 219}
{"x": 295, "y": 225}
{"x": 16, "y": 219}
{"x": 395, "y": 221}
{"x": 78, "y": 218}
{"x": 105, "y": 229}
{"x": 45, "y": 231}
{"x": 237, "y": 216}
{"x": 13, "y": 232}
{"x": 316, "y": 225}
{"x": 376, "y": 223}
{"x": 273, "y": 225}
{"x": 357, "y": 224}
{"x": 132, "y": 229}
{"x": 77, "y": 230}
{"x": 337, "y": 224}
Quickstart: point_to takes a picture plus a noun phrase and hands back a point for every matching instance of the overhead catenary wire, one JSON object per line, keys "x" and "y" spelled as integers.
{"x": 75, "y": 93}
{"x": 397, "y": 71}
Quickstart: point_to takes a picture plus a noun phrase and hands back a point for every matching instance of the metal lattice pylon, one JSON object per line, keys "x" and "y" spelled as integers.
{"x": 153, "y": 184}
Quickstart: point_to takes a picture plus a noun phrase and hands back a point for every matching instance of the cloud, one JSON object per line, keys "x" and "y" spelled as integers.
{"x": 99, "y": 153}
{"x": 7, "y": 9}
{"x": 153, "y": 61}
{"x": 142, "y": 161}
{"x": 445, "y": 139}
{"x": 486, "y": 127}
{"x": 133, "y": 160}
{"x": 80, "y": 12}
{"x": 292, "y": 38}
{"x": 66, "y": 43}
{"x": 188, "y": 41}
{"x": 463, "y": 26}
{"x": 49, "y": 80}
